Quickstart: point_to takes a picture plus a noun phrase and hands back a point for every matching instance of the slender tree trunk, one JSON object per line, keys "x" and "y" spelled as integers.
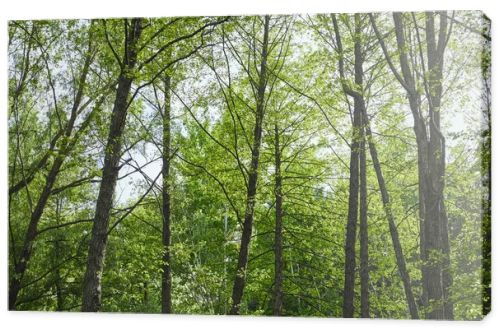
{"x": 166, "y": 282}
{"x": 57, "y": 256}
{"x": 430, "y": 283}
{"x": 239, "y": 281}
{"x": 486, "y": 167}
{"x": 37, "y": 166}
{"x": 422, "y": 195}
{"x": 91, "y": 300}
{"x": 278, "y": 229}
{"x": 363, "y": 205}
{"x": 403, "y": 272}
{"x": 363, "y": 230}
{"x": 447, "y": 274}
{"x": 350, "y": 238}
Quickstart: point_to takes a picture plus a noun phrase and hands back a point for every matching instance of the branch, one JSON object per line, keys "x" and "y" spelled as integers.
{"x": 132, "y": 208}
{"x": 181, "y": 38}
{"x": 386, "y": 53}
{"x": 87, "y": 220}
{"x": 238, "y": 217}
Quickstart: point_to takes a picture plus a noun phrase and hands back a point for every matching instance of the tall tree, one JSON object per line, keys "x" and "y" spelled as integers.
{"x": 434, "y": 241}
{"x": 166, "y": 294}
{"x": 400, "y": 259}
{"x": 91, "y": 300}
{"x": 486, "y": 165}
{"x": 352, "y": 213}
{"x": 239, "y": 280}
{"x": 176, "y": 49}
{"x": 360, "y": 107}
{"x": 128, "y": 66}
{"x": 71, "y": 138}
{"x": 437, "y": 240}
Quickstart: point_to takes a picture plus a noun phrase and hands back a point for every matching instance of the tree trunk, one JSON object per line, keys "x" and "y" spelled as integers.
{"x": 363, "y": 205}
{"x": 92, "y": 281}
{"x": 363, "y": 230}
{"x": 239, "y": 281}
{"x": 31, "y": 233}
{"x": 403, "y": 272}
{"x": 486, "y": 168}
{"x": 437, "y": 223}
{"x": 166, "y": 282}
{"x": 57, "y": 256}
{"x": 350, "y": 238}
{"x": 278, "y": 229}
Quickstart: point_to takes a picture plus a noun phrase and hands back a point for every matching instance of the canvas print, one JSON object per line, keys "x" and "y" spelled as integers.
{"x": 324, "y": 165}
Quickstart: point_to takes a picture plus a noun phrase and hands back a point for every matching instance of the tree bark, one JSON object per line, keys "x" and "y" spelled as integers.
{"x": 363, "y": 205}
{"x": 350, "y": 237}
{"x": 57, "y": 256}
{"x": 486, "y": 167}
{"x": 278, "y": 229}
{"x": 363, "y": 229}
{"x": 239, "y": 281}
{"x": 166, "y": 282}
{"x": 91, "y": 300}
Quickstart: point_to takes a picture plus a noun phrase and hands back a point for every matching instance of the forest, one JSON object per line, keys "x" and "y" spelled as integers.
{"x": 327, "y": 165}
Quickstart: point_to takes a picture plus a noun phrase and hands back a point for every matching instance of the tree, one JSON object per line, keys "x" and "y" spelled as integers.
{"x": 350, "y": 240}
{"x": 434, "y": 241}
{"x": 239, "y": 281}
{"x": 358, "y": 124}
{"x": 70, "y": 137}
{"x": 166, "y": 280}
{"x": 92, "y": 282}
{"x": 128, "y": 65}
